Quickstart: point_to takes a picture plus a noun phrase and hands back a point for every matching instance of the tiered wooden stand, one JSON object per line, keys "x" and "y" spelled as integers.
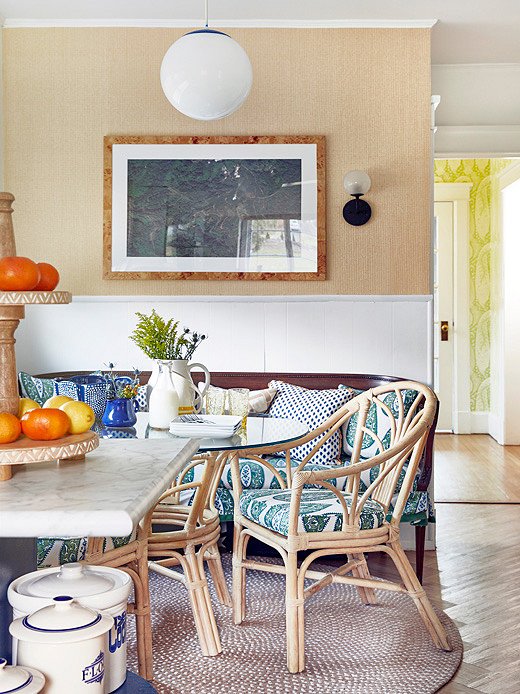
{"x": 12, "y": 311}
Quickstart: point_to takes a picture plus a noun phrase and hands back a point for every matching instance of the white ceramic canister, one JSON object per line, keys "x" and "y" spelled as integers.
{"x": 98, "y": 587}
{"x": 66, "y": 642}
{"x": 22, "y": 680}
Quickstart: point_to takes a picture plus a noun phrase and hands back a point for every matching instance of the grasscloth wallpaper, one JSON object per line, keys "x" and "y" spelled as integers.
{"x": 367, "y": 91}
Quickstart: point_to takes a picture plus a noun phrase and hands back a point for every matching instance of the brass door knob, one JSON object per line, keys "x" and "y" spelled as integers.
{"x": 444, "y": 330}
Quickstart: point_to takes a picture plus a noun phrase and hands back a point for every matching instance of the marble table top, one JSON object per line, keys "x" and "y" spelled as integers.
{"x": 105, "y": 495}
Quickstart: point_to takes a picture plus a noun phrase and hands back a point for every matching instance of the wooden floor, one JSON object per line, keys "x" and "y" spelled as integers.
{"x": 475, "y": 574}
{"x": 474, "y": 468}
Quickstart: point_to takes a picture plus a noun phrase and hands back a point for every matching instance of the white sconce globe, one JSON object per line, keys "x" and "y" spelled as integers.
{"x": 206, "y": 75}
{"x": 357, "y": 183}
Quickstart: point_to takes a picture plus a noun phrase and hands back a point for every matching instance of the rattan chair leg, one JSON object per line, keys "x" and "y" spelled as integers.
{"x": 292, "y": 605}
{"x": 217, "y": 574}
{"x": 208, "y": 606}
{"x": 205, "y": 623}
{"x": 239, "y": 575}
{"x": 367, "y": 595}
{"x": 143, "y": 616}
{"x": 416, "y": 592}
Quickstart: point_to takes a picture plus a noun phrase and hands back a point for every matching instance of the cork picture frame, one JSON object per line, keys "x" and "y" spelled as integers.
{"x": 247, "y": 208}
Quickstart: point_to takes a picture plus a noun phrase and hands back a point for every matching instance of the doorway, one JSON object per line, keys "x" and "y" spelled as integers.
{"x": 466, "y": 273}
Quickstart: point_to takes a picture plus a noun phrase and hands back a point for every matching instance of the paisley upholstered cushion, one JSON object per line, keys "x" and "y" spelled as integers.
{"x": 320, "y": 510}
{"x": 377, "y": 422}
{"x": 54, "y": 551}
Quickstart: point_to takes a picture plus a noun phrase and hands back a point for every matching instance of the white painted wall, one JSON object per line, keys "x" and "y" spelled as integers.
{"x": 381, "y": 335}
{"x": 479, "y": 111}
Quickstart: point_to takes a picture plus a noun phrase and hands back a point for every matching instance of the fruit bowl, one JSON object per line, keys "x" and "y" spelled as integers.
{"x": 26, "y": 451}
{"x": 34, "y": 297}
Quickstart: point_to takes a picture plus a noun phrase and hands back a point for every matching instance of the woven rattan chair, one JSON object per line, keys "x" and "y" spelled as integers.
{"x": 186, "y": 536}
{"x": 310, "y": 514}
{"x": 132, "y": 557}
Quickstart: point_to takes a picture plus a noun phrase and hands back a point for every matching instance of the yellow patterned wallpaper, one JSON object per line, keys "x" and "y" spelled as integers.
{"x": 479, "y": 172}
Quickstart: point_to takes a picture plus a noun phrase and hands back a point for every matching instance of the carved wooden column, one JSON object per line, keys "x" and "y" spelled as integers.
{"x": 7, "y": 242}
{"x": 10, "y": 316}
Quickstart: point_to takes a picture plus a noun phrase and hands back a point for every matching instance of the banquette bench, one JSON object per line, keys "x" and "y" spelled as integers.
{"x": 321, "y": 381}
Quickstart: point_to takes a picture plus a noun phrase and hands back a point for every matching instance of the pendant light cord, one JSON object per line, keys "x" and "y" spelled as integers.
{"x": 206, "y": 7}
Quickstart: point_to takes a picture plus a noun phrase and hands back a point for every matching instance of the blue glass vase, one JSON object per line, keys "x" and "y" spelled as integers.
{"x": 120, "y": 412}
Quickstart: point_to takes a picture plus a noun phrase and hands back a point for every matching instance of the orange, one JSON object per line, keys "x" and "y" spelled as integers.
{"x": 18, "y": 274}
{"x": 10, "y": 428}
{"x": 45, "y": 424}
{"x": 49, "y": 278}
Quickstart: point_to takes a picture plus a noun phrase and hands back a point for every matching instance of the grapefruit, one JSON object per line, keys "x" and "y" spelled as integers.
{"x": 45, "y": 424}
{"x": 57, "y": 401}
{"x": 10, "y": 428}
{"x": 18, "y": 274}
{"x": 26, "y": 404}
{"x": 49, "y": 278}
{"x": 81, "y": 416}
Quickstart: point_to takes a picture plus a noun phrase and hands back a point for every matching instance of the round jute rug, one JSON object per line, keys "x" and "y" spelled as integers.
{"x": 350, "y": 648}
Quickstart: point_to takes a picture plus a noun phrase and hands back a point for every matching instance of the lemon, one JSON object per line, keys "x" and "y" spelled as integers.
{"x": 57, "y": 401}
{"x": 25, "y": 405}
{"x": 81, "y": 416}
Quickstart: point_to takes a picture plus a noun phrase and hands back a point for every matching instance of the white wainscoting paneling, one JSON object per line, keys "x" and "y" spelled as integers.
{"x": 351, "y": 334}
{"x": 381, "y": 335}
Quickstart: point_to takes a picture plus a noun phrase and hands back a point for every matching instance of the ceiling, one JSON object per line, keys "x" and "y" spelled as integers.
{"x": 467, "y": 31}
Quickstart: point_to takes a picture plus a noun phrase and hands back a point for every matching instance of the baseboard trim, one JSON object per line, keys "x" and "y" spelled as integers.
{"x": 480, "y": 422}
{"x": 496, "y": 428}
{"x": 471, "y": 423}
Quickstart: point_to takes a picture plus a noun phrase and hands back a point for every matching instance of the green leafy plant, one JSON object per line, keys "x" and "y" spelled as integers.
{"x": 161, "y": 339}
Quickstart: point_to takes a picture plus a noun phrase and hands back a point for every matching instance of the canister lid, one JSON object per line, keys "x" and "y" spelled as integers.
{"x": 63, "y": 621}
{"x": 63, "y": 615}
{"x": 19, "y": 679}
{"x": 74, "y": 579}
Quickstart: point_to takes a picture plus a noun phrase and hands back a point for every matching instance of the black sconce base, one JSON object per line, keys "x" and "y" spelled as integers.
{"x": 357, "y": 212}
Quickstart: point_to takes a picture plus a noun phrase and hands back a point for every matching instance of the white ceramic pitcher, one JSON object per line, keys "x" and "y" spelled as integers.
{"x": 190, "y": 397}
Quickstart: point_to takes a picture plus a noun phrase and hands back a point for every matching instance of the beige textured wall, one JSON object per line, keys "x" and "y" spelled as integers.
{"x": 367, "y": 90}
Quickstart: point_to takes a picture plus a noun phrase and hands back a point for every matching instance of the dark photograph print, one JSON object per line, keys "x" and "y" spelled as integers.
{"x": 214, "y": 208}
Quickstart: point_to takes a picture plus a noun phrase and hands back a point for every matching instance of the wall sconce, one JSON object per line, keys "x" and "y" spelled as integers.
{"x": 357, "y": 212}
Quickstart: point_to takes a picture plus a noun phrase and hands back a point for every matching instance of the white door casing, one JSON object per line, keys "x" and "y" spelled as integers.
{"x": 443, "y": 312}
{"x": 457, "y": 195}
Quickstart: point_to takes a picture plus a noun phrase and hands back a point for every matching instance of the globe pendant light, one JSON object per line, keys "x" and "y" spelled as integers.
{"x": 205, "y": 74}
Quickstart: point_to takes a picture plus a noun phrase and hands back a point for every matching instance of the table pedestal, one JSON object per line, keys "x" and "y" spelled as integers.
{"x": 17, "y": 557}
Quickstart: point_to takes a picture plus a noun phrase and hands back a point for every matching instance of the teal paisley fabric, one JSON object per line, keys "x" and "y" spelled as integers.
{"x": 37, "y": 389}
{"x": 377, "y": 421}
{"x": 54, "y": 551}
{"x": 320, "y": 510}
{"x": 254, "y": 475}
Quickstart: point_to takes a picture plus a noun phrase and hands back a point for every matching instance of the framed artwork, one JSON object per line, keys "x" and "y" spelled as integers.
{"x": 214, "y": 208}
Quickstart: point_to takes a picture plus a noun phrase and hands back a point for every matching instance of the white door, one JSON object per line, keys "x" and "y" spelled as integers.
{"x": 443, "y": 312}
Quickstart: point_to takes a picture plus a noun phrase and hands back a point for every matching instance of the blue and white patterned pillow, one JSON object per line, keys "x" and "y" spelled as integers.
{"x": 142, "y": 398}
{"x": 311, "y": 407}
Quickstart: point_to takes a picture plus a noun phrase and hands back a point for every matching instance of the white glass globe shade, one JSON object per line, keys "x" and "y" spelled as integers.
{"x": 357, "y": 183}
{"x": 206, "y": 75}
